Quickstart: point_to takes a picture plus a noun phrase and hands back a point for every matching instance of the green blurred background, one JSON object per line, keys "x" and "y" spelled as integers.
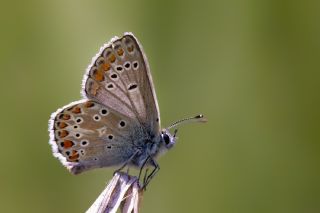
{"x": 252, "y": 67}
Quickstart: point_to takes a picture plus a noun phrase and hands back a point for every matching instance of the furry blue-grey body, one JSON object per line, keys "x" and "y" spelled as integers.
{"x": 150, "y": 144}
{"x": 146, "y": 147}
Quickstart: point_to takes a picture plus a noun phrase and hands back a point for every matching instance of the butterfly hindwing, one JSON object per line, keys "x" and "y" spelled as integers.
{"x": 119, "y": 78}
{"x": 87, "y": 135}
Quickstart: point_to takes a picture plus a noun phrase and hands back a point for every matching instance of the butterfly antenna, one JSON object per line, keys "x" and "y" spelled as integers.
{"x": 198, "y": 118}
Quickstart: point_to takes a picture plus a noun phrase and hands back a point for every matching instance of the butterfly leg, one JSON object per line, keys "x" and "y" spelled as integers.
{"x": 143, "y": 165}
{"x": 152, "y": 174}
{"x": 126, "y": 162}
{"x": 145, "y": 175}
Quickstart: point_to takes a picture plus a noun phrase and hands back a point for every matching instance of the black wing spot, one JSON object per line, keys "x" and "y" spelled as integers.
{"x": 132, "y": 86}
{"x": 122, "y": 123}
{"x": 114, "y": 76}
{"x": 127, "y": 65}
{"x": 96, "y": 117}
{"x": 104, "y": 111}
{"x": 110, "y": 86}
{"x": 119, "y": 68}
{"x": 135, "y": 65}
{"x": 79, "y": 120}
{"x": 84, "y": 143}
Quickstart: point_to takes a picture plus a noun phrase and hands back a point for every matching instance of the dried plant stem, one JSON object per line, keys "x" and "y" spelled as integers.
{"x": 122, "y": 191}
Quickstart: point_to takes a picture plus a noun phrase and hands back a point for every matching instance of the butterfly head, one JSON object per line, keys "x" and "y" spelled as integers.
{"x": 167, "y": 139}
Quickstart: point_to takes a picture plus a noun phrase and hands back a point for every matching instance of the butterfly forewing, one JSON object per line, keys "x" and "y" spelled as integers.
{"x": 120, "y": 79}
{"x": 89, "y": 135}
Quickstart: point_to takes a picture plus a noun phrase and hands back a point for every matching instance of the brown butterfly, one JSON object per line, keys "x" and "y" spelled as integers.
{"x": 117, "y": 123}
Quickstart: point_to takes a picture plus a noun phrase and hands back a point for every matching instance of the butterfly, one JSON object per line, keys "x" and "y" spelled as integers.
{"x": 117, "y": 123}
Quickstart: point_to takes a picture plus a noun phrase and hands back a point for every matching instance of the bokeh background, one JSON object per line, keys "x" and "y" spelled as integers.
{"x": 252, "y": 67}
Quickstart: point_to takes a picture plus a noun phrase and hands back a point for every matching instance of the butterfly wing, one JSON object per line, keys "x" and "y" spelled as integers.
{"x": 86, "y": 135}
{"x": 119, "y": 78}
{"x": 120, "y": 115}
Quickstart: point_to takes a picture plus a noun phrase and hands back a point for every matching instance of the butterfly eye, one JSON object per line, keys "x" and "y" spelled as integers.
{"x": 166, "y": 139}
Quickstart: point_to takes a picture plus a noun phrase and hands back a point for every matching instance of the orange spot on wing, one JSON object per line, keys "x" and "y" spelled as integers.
{"x": 74, "y": 156}
{"x": 120, "y": 52}
{"x": 76, "y": 110}
{"x": 65, "y": 116}
{"x": 63, "y": 133}
{"x": 89, "y": 104}
{"x": 131, "y": 48}
{"x": 112, "y": 58}
{"x": 62, "y": 125}
{"x": 98, "y": 75}
{"x": 67, "y": 144}
{"x": 106, "y": 66}
{"x": 94, "y": 88}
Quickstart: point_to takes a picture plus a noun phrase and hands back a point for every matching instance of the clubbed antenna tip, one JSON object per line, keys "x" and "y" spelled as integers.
{"x": 197, "y": 118}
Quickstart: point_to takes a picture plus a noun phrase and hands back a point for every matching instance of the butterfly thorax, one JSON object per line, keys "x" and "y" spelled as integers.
{"x": 148, "y": 147}
{"x": 153, "y": 147}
